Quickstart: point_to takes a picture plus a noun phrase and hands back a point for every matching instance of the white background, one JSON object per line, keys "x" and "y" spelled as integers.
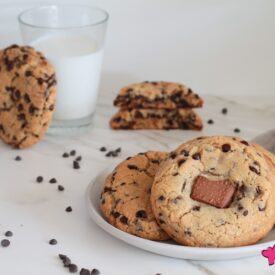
{"x": 216, "y": 47}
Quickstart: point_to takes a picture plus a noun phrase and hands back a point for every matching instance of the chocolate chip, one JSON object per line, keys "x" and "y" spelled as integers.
{"x": 95, "y": 272}
{"x": 124, "y": 219}
{"x": 72, "y": 153}
{"x": 254, "y": 169}
{"x": 184, "y": 152}
{"x": 196, "y": 208}
{"x": 118, "y": 150}
{"x": 245, "y": 213}
{"x": 5, "y": 243}
{"x": 18, "y": 158}
{"x": 62, "y": 257}
{"x": 53, "y": 180}
{"x": 245, "y": 142}
{"x": 115, "y": 214}
{"x": 141, "y": 214}
{"x": 27, "y": 98}
{"x": 40, "y": 80}
{"x": 76, "y": 165}
{"x": 226, "y": 147}
{"x": 180, "y": 162}
{"x": 161, "y": 198}
{"x": 210, "y": 121}
{"x": 79, "y": 158}
{"x": 67, "y": 261}
{"x": 188, "y": 232}
{"x": 53, "y": 242}
{"x": 69, "y": 209}
{"x": 173, "y": 155}
{"x": 8, "y": 234}
{"x": 84, "y": 271}
{"x": 39, "y": 179}
{"x": 132, "y": 167}
{"x": 103, "y": 149}
{"x": 28, "y": 73}
{"x": 60, "y": 188}
{"x": 196, "y": 156}
{"x": 224, "y": 111}
{"x": 237, "y": 130}
{"x": 73, "y": 268}
{"x": 65, "y": 155}
{"x": 175, "y": 174}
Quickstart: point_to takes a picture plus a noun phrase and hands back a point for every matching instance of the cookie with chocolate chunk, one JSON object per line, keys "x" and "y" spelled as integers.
{"x": 156, "y": 119}
{"x": 27, "y": 95}
{"x": 125, "y": 199}
{"x": 157, "y": 95}
{"x": 215, "y": 192}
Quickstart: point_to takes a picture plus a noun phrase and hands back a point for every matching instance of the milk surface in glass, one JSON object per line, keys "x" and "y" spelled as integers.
{"x": 77, "y": 62}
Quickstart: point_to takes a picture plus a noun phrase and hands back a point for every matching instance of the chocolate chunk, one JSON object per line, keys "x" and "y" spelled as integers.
{"x": 60, "y": 188}
{"x": 5, "y": 243}
{"x": 69, "y": 209}
{"x": 39, "y": 179}
{"x": 18, "y": 158}
{"x": 141, "y": 214}
{"x": 53, "y": 242}
{"x": 224, "y": 111}
{"x": 218, "y": 193}
{"x": 73, "y": 268}
{"x": 53, "y": 180}
{"x": 8, "y": 234}
{"x": 95, "y": 271}
{"x": 226, "y": 147}
{"x": 84, "y": 271}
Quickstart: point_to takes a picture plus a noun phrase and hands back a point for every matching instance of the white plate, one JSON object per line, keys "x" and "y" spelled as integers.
{"x": 167, "y": 248}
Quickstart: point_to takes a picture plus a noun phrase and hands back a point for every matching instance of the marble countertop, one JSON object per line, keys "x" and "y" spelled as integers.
{"x": 36, "y": 212}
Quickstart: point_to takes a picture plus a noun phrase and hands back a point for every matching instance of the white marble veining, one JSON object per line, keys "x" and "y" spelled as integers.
{"x": 36, "y": 212}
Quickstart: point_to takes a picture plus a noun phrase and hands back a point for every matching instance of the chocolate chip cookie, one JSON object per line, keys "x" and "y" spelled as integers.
{"x": 215, "y": 192}
{"x": 27, "y": 95}
{"x": 156, "y": 119}
{"x": 125, "y": 199}
{"x": 157, "y": 95}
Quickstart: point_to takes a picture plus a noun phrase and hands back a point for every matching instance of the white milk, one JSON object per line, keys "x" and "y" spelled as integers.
{"x": 78, "y": 64}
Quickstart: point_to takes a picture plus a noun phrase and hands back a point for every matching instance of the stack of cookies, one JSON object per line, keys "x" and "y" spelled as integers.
{"x": 210, "y": 192}
{"x": 157, "y": 105}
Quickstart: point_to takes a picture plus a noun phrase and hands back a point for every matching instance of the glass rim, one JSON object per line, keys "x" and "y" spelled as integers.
{"x": 22, "y": 21}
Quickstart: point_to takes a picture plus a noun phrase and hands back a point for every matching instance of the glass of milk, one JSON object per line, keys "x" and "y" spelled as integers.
{"x": 72, "y": 38}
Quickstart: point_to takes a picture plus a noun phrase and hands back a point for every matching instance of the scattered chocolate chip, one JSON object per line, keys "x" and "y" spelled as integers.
{"x": 53, "y": 242}
{"x": 115, "y": 214}
{"x": 118, "y": 150}
{"x": 69, "y": 209}
{"x": 124, "y": 219}
{"x": 76, "y": 165}
{"x": 39, "y": 179}
{"x": 53, "y": 180}
{"x": 141, "y": 214}
{"x": 62, "y": 257}
{"x": 180, "y": 162}
{"x": 79, "y": 158}
{"x": 245, "y": 142}
{"x": 254, "y": 169}
{"x": 8, "y": 234}
{"x": 161, "y": 198}
{"x": 103, "y": 149}
{"x": 173, "y": 155}
{"x": 28, "y": 73}
{"x": 132, "y": 167}
{"x": 95, "y": 272}
{"x": 84, "y": 271}
{"x": 72, "y": 153}
{"x": 67, "y": 261}
{"x": 245, "y": 213}
{"x": 237, "y": 130}
{"x": 224, "y": 111}
{"x": 196, "y": 156}
{"x": 240, "y": 207}
{"x": 226, "y": 147}
{"x": 65, "y": 155}
{"x": 60, "y": 188}
{"x": 185, "y": 153}
{"x": 210, "y": 121}
{"x": 5, "y": 243}
{"x": 18, "y": 158}
{"x": 73, "y": 268}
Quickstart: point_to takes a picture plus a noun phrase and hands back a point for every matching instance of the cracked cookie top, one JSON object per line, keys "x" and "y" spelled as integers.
{"x": 215, "y": 192}
{"x": 27, "y": 95}
{"x": 125, "y": 199}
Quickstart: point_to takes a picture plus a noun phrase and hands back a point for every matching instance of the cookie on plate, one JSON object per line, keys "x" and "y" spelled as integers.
{"x": 215, "y": 192}
{"x": 27, "y": 95}
{"x": 125, "y": 199}
{"x": 156, "y": 119}
{"x": 157, "y": 95}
